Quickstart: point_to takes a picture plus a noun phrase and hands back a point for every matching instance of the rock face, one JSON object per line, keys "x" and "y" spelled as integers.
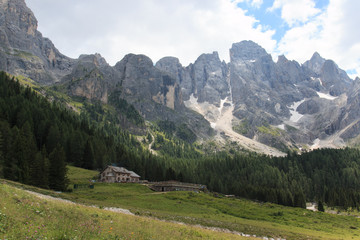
{"x": 251, "y": 99}
{"x": 283, "y": 103}
{"x": 23, "y": 50}
{"x": 155, "y": 94}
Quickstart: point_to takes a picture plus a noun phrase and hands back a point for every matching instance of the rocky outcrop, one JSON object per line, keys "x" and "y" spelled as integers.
{"x": 23, "y": 50}
{"x": 91, "y": 78}
{"x": 206, "y": 79}
{"x": 141, "y": 80}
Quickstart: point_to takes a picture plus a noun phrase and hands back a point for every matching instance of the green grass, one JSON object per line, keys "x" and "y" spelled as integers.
{"x": 270, "y": 130}
{"x": 242, "y": 128}
{"x": 262, "y": 219}
{"x": 25, "y": 216}
{"x": 207, "y": 209}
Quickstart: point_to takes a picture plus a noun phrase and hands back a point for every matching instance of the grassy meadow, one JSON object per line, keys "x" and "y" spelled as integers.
{"x": 25, "y": 216}
{"x": 206, "y": 209}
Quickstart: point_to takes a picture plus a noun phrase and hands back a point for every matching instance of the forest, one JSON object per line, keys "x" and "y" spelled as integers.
{"x": 39, "y": 137}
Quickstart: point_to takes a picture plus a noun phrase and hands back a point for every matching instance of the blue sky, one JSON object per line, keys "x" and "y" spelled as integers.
{"x": 187, "y": 28}
{"x": 273, "y": 19}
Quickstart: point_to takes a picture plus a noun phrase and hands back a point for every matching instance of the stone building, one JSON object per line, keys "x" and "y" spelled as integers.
{"x": 113, "y": 174}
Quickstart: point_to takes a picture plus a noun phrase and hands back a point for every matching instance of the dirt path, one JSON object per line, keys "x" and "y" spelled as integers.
{"x": 150, "y": 145}
{"x": 47, "y": 197}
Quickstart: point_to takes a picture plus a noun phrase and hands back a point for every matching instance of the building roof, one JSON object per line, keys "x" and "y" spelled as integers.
{"x": 132, "y": 174}
{"x": 122, "y": 170}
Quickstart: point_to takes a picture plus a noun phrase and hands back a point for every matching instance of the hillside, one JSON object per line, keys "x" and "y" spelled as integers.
{"x": 24, "y": 215}
{"x": 213, "y": 211}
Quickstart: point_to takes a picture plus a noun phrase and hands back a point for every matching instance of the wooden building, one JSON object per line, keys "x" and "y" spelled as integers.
{"x": 167, "y": 186}
{"x": 113, "y": 174}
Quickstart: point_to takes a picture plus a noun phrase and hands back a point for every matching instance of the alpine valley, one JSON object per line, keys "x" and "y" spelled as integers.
{"x": 261, "y": 105}
{"x": 255, "y": 142}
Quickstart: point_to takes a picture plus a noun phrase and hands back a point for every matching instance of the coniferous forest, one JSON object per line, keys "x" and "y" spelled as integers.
{"x": 38, "y": 138}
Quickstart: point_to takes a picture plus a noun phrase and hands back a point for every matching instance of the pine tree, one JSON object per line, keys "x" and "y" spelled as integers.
{"x": 88, "y": 156}
{"x": 57, "y": 169}
{"x": 76, "y": 148}
{"x": 170, "y": 174}
{"x": 1, "y": 156}
{"x": 14, "y": 156}
{"x": 53, "y": 138}
{"x": 321, "y": 206}
{"x": 39, "y": 171}
{"x": 28, "y": 147}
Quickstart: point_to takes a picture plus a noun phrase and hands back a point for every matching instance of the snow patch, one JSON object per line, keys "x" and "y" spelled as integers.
{"x": 317, "y": 79}
{"x": 295, "y": 115}
{"x": 213, "y": 125}
{"x": 252, "y": 61}
{"x": 326, "y": 96}
{"x": 281, "y": 126}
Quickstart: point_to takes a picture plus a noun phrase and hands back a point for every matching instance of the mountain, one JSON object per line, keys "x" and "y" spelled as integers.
{"x": 262, "y": 105}
{"x": 23, "y": 49}
{"x": 283, "y": 104}
{"x": 134, "y": 79}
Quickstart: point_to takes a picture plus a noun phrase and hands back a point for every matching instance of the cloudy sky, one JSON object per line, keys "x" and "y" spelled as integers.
{"x": 188, "y": 28}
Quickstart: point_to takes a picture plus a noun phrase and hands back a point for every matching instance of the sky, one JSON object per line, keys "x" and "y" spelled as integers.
{"x": 187, "y": 28}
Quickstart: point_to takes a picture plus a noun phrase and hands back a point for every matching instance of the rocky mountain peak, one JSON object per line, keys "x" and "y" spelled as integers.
{"x": 23, "y": 50}
{"x": 282, "y": 59}
{"x": 209, "y": 57}
{"x": 139, "y": 60}
{"x": 315, "y": 63}
{"x": 18, "y": 23}
{"x": 95, "y": 59}
{"x": 246, "y": 50}
{"x": 170, "y": 65}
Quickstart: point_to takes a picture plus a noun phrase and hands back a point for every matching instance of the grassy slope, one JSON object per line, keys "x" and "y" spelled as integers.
{"x": 262, "y": 219}
{"x": 25, "y": 216}
{"x": 194, "y": 208}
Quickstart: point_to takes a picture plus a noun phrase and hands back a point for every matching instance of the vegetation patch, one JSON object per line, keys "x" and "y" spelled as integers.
{"x": 269, "y": 130}
{"x": 242, "y": 128}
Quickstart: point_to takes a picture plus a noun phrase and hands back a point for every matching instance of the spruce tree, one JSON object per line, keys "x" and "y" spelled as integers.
{"x": 39, "y": 171}
{"x": 28, "y": 146}
{"x": 53, "y": 138}
{"x": 1, "y": 156}
{"x": 14, "y": 157}
{"x": 88, "y": 156}
{"x": 321, "y": 206}
{"x": 57, "y": 169}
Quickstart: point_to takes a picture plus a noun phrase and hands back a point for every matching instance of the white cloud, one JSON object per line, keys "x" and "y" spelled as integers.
{"x": 256, "y": 3}
{"x": 252, "y": 3}
{"x": 332, "y": 33}
{"x": 156, "y": 28}
{"x": 295, "y": 12}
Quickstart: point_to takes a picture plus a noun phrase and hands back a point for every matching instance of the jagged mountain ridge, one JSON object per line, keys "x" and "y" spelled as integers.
{"x": 283, "y": 104}
{"x": 251, "y": 99}
{"x": 153, "y": 93}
